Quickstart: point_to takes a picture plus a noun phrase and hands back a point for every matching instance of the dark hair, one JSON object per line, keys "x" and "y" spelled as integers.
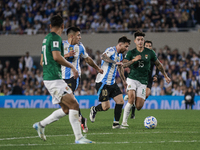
{"x": 72, "y": 29}
{"x": 124, "y": 39}
{"x": 139, "y": 33}
{"x": 148, "y": 42}
{"x": 56, "y": 21}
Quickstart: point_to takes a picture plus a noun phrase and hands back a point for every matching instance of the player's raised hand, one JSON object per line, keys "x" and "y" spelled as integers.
{"x": 168, "y": 80}
{"x": 71, "y": 53}
{"x": 125, "y": 84}
{"x": 100, "y": 70}
{"x": 138, "y": 57}
{"x": 119, "y": 64}
{"x": 75, "y": 73}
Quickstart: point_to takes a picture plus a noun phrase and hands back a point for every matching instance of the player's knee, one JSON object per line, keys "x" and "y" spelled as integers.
{"x": 139, "y": 107}
{"x": 105, "y": 107}
{"x": 66, "y": 111}
{"x": 74, "y": 105}
{"x": 121, "y": 102}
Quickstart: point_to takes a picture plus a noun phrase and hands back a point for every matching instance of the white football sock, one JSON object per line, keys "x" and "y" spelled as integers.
{"x": 127, "y": 109}
{"x": 76, "y": 125}
{"x": 56, "y": 115}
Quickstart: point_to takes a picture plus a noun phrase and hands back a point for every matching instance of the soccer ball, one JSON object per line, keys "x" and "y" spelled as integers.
{"x": 150, "y": 122}
{"x": 126, "y": 97}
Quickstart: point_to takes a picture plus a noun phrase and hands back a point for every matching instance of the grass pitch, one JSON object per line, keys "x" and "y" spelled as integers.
{"x": 176, "y": 129}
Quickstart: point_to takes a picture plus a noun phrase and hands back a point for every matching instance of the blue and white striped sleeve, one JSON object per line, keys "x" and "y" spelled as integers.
{"x": 121, "y": 58}
{"x": 84, "y": 54}
{"x": 109, "y": 51}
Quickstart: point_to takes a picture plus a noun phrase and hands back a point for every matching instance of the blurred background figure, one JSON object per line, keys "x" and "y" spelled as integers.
{"x": 189, "y": 98}
{"x": 28, "y": 61}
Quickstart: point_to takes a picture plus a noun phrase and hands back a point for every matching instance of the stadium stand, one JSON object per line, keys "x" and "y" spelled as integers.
{"x": 182, "y": 69}
{"x": 32, "y": 16}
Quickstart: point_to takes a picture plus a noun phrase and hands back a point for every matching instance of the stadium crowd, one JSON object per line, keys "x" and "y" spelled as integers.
{"x": 183, "y": 69}
{"x": 33, "y": 16}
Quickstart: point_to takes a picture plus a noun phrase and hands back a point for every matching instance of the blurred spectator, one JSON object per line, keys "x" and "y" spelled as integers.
{"x": 29, "y": 29}
{"x": 17, "y": 88}
{"x": 79, "y": 91}
{"x": 169, "y": 90}
{"x": 7, "y": 67}
{"x": 155, "y": 90}
{"x": 28, "y": 61}
{"x": 194, "y": 83}
{"x": 38, "y": 17}
{"x": 189, "y": 98}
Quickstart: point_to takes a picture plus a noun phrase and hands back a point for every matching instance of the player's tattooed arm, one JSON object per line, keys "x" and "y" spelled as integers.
{"x": 41, "y": 60}
{"x": 121, "y": 74}
{"x": 127, "y": 63}
{"x": 107, "y": 59}
{"x": 162, "y": 70}
{"x": 93, "y": 64}
{"x": 160, "y": 67}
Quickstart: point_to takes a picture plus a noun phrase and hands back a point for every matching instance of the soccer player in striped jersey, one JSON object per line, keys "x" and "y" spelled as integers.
{"x": 139, "y": 74}
{"x": 105, "y": 83}
{"x": 73, "y": 50}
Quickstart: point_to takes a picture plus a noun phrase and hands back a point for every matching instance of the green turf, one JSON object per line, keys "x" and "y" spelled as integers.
{"x": 176, "y": 130}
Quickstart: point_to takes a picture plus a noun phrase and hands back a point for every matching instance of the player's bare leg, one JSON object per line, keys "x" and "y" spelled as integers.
{"x": 139, "y": 103}
{"x": 148, "y": 92}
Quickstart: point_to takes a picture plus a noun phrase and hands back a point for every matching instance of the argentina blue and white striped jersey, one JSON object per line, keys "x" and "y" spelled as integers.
{"x": 109, "y": 69}
{"x": 75, "y": 60}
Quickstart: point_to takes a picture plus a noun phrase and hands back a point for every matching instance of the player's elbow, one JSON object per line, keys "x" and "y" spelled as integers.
{"x": 41, "y": 64}
{"x": 56, "y": 58}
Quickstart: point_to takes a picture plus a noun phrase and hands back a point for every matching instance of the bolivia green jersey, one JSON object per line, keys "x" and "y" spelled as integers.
{"x": 51, "y": 69}
{"x": 140, "y": 69}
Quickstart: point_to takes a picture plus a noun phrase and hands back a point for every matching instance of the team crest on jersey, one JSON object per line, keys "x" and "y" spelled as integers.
{"x": 55, "y": 44}
{"x": 67, "y": 88}
{"x": 146, "y": 56}
{"x": 71, "y": 49}
{"x": 129, "y": 86}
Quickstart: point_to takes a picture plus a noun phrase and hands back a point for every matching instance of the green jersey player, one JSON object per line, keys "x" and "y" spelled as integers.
{"x": 139, "y": 74}
{"x": 52, "y": 50}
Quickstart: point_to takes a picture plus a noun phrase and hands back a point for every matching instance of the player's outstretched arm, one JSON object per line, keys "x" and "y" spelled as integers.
{"x": 162, "y": 70}
{"x": 71, "y": 53}
{"x": 41, "y": 60}
{"x": 121, "y": 74}
{"x": 127, "y": 63}
{"x": 93, "y": 64}
{"x": 107, "y": 59}
{"x": 62, "y": 61}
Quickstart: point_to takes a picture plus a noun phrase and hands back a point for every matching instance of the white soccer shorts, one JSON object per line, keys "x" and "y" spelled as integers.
{"x": 57, "y": 89}
{"x": 138, "y": 87}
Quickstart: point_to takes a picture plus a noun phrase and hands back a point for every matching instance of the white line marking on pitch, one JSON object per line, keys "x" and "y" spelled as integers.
{"x": 147, "y": 142}
{"x": 31, "y": 137}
